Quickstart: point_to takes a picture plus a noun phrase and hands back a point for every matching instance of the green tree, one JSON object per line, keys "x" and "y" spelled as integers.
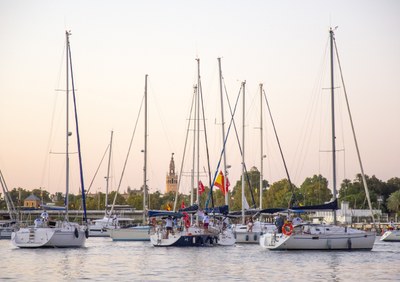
{"x": 314, "y": 191}
{"x": 393, "y": 202}
{"x": 278, "y": 195}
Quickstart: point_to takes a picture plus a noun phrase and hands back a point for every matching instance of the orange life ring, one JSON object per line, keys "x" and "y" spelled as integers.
{"x": 287, "y": 229}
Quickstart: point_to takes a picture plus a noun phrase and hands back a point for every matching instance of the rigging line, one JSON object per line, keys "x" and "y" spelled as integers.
{"x": 77, "y": 136}
{"x": 127, "y": 156}
{"x": 240, "y": 148}
{"x": 206, "y": 139}
{"x": 184, "y": 154}
{"x": 354, "y": 136}
{"x": 292, "y": 199}
{"x": 309, "y": 121}
{"x": 223, "y": 147}
{"x": 97, "y": 170}
{"x": 9, "y": 202}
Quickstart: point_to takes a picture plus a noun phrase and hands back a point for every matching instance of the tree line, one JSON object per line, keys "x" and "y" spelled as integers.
{"x": 314, "y": 190}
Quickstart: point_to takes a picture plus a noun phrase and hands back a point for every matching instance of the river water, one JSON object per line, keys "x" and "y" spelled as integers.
{"x": 105, "y": 260}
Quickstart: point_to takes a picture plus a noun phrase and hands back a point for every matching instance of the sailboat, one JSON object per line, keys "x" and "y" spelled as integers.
{"x": 187, "y": 230}
{"x": 139, "y": 232}
{"x": 319, "y": 236}
{"x": 101, "y": 227}
{"x": 392, "y": 233}
{"x": 58, "y": 233}
{"x": 250, "y": 233}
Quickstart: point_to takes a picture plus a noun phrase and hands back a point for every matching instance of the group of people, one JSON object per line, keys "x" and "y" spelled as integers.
{"x": 204, "y": 221}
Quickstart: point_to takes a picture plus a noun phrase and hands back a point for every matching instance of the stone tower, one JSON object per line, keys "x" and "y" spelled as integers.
{"x": 172, "y": 177}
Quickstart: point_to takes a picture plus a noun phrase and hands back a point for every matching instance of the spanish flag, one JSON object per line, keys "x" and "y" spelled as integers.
{"x": 219, "y": 182}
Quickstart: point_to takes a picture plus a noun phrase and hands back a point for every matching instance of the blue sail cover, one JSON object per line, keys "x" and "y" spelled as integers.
{"x": 327, "y": 206}
{"x": 220, "y": 210}
{"x": 156, "y": 213}
{"x": 191, "y": 209}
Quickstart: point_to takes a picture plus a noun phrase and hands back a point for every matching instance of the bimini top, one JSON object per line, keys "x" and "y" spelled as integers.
{"x": 157, "y": 213}
{"x": 327, "y": 206}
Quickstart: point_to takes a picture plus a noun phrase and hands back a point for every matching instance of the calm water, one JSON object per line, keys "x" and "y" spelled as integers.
{"x": 103, "y": 260}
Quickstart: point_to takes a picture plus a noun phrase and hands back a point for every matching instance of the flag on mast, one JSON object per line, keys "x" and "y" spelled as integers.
{"x": 201, "y": 187}
{"x": 219, "y": 182}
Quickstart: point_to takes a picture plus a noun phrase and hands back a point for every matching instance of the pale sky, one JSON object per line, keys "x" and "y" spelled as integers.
{"x": 115, "y": 43}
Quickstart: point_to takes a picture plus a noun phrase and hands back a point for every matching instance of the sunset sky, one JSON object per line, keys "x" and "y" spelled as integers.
{"x": 282, "y": 44}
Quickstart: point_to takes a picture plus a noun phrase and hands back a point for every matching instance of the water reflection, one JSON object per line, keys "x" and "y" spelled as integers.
{"x": 104, "y": 260}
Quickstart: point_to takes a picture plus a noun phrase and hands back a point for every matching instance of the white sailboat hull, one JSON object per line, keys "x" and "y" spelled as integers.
{"x": 320, "y": 237}
{"x": 226, "y": 238}
{"x": 243, "y": 236}
{"x": 67, "y": 236}
{"x": 102, "y": 227}
{"x": 391, "y": 235}
{"x": 136, "y": 233}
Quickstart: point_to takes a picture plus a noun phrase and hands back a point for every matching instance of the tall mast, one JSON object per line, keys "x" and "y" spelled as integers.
{"x": 67, "y": 34}
{"x": 243, "y": 164}
{"x": 198, "y": 129}
{"x": 145, "y": 151}
{"x": 223, "y": 128}
{"x": 108, "y": 169}
{"x": 333, "y": 124}
{"x": 194, "y": 148}
{"x": 261, "y": 145}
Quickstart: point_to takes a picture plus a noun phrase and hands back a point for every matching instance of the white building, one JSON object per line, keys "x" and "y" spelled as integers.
{"x": 346, "y": 215}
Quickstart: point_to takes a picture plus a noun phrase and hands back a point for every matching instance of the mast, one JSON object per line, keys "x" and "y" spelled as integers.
{"x": 145, "y": 151}
{"x": 194, "y": 147}
{"x": 243, "y": 164}
{"x": 261, "y": 145}
{"x": 223, "y": 129}
{"x": 67, "y": 34}
{"x": 198, "y": 130}
{"x": 108, "y": 169}
{"x": 333, "y": 123}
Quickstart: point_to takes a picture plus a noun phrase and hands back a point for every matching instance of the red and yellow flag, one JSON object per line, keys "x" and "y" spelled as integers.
{"x": 219, "y": 182}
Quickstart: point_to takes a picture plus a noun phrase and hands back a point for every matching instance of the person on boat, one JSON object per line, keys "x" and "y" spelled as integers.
{"x": 206, "y": 221}
{"x": 391, "y": 225}
{"x": 38, "y": 222}
{"x": 225, "y": 223}
{"x": 250, "y": 224}
{"x": 297, "y": 220}
{"x": 168, "y": 225}
{"x": 279, "y": 223}
{"x": 44, "y": 215}
{"x": 200, "y": 214}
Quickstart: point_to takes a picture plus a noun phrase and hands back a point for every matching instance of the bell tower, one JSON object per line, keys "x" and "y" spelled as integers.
{"x": 172, "y": 177}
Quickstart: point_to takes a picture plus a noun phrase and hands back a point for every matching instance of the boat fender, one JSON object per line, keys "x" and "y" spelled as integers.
{"x": 287, "y": 229}
{"x": 255, "y": 237}
{"x": 76, "y": 233}
{"x": 86, "y": 233}
{"x": 349, "y": 244}
{"x": 247, "y": 237}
